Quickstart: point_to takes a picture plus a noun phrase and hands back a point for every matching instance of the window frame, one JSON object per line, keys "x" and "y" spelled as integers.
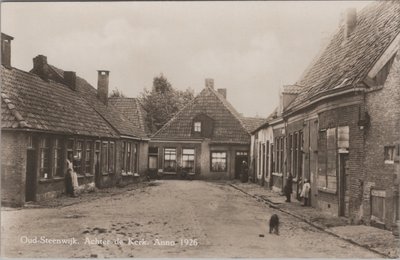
{"x": 174, "y": 168}
{"x": 189, "y": 155}
{"x": 226, "y": 161}
{"x": 197, "y": 127}
{"x": 45, "y": 152}
{"x": 389, "y": 152}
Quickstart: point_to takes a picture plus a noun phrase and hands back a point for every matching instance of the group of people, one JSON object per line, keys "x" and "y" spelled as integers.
{"x": 305, "y": 191}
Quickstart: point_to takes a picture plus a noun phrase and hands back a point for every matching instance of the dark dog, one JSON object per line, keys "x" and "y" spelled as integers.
{"x": 274, "y": 224}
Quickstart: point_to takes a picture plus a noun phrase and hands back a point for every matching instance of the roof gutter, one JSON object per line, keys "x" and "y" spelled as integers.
{"x": 135, "y": 138}
{"x": 357, "y": 89}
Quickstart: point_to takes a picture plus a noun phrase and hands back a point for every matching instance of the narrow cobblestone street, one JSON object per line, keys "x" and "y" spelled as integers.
{"x": 167, "y": 219}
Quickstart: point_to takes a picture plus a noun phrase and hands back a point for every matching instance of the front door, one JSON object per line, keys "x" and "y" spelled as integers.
{"x": 343, "y": 158}
{"x": 30, "y": 185}
{"x": 240, "y": 157}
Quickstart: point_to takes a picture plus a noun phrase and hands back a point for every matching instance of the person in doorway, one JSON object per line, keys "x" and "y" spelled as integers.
{"x": 305, "y": 192}
{"x": 244, "y": 171}
{"x": 288, "y": 189}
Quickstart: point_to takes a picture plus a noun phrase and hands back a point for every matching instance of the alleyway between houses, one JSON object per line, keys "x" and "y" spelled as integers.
{"x": 224, "y": 221}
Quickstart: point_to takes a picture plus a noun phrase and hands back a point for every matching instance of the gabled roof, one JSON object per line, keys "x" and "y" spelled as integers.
{"x": 132, "y": 109}
{"x": 30, "y": 102}
{"x": 252, "y": 123}
{"x": 111, "y": 114}
{"x": 228, "y": 124}
{"x": 346, "y": 63}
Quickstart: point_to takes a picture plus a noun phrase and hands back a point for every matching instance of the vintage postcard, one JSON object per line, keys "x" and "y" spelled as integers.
{"x": 200, "y": 129}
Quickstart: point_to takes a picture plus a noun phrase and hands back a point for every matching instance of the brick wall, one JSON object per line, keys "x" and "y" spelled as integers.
{"x": 13, "y": 167}
{"x": 345, "y": 116}
{"x": 383, "y": 106}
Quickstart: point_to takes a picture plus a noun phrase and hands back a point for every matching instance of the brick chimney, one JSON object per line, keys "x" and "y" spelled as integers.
{"x": 222, "y": 92}
{"x": 40, "y": 67}
{"x": 6, "y": 50}
{"x": 102, "y": 86}
{"x": 350, "y": 22}
{"x": 70, "y": 79}
{"x": 210, "y": 83}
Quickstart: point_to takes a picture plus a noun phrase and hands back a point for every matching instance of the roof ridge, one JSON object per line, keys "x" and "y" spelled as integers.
{"x": 229, "y": 107}
{"x": 21, "y": 121}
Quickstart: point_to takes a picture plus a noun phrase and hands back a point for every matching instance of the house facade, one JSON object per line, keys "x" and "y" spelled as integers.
{"x": 340, "y": 121}
{"x": 207, "y": 137}
{"x": 49, "y": 115}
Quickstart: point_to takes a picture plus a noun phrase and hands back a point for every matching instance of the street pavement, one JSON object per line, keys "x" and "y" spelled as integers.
{"x": 167, "y": 218}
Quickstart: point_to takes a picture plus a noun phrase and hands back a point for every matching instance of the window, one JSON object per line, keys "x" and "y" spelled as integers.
{"x": 128, "y": 157}
{"x": 197, "y": 127}
{"x": 70, "y": 149}
{"x": 170, "y": 159}
{"x": 111, "y": 157}
{"x": 218, "y": 161}
{"x": 188, "y": 159}
{"x": 97, "y": 148}
{"x": 88, "y": 157}
{"x": 134, "y": 157}
{"x": 389, "y": 154}
{"x": 44, "y": 158}
{"x": 30, "y": 142}
{"x": 57, "y": 158}
{"x": 295, "y": 154}
{"x": 327, "y": 159}
{"x": 104, "y": 157}
{"x": 78, "y": 157}
{"x": 123, "y": 153}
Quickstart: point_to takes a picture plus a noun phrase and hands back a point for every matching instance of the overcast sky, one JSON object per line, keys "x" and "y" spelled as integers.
{"x": 249, "y": 48}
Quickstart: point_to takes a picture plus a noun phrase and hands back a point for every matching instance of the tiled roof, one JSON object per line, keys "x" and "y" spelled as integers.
{"x": 110, "y": 113}
{"x": 252, "y": 123}
{"x": 30, "y": 102}
{"x": 346, "y": 63}
{"x": 131, "y": 109}
{"x": 228, "y": 124}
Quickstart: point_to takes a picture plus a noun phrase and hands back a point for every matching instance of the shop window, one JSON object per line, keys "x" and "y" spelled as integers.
{"x": 44, "y": 158}
{"x": 389, "y": 154}
{"x": 218, "y": 162}
{"x": 170, "y": 159}
{"x": 57, "y": 158}
{"x": 188, "y": 159}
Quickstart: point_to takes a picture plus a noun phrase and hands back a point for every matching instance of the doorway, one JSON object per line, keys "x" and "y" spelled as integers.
{"x": 30, "y": 184}
{"x": 343, "y": 158}
{"x": 239, "y": 158}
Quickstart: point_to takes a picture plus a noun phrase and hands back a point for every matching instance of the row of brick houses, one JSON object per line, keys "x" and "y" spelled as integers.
{"x": 339, "y": 125}
{"x": 48, "y": 115}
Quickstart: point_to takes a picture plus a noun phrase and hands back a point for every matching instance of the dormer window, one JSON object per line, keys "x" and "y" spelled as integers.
{"x": 197, "y": 127}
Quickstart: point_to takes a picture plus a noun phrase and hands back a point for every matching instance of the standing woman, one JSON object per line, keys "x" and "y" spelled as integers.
{"x": 69, "y": 187}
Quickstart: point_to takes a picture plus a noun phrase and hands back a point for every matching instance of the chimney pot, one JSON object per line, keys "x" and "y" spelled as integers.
{"x": 350, "y": 22}
{"x": 70, "y": 79}
{"x": 6, "y": 50}
{"x": 102, "y": 86}
{"x": 210, "y": 83}
{"x": 222, "y": 92}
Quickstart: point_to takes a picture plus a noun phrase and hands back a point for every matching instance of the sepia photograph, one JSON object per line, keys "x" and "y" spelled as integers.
{"x": 200, "y": 129}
